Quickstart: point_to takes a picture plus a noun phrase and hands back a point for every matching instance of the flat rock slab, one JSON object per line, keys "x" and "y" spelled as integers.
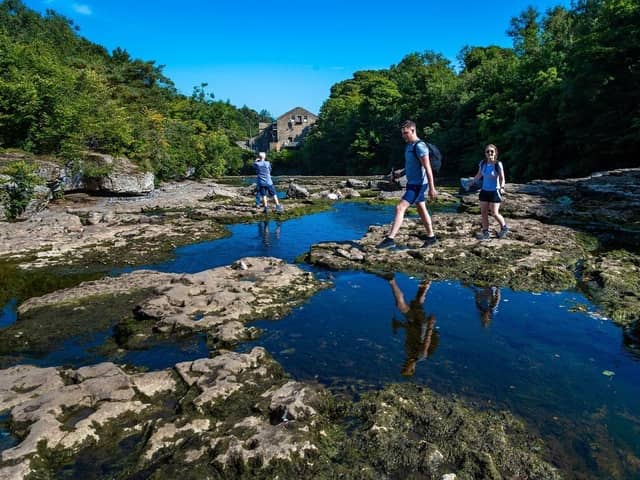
{"x": 236, "y": 415}
{"x": 251, "y": 288}
{"x": 84, "y": 227}
{"x": 221, "y": 401}
{"x": 604, "y": 202}
{"x": 533, "y": 256}
{"x": 219, "y": 301}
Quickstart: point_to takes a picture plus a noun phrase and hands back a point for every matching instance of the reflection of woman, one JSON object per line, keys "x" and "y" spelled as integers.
{"x": 421, "y": 338}
{"x": 487, "y": 300}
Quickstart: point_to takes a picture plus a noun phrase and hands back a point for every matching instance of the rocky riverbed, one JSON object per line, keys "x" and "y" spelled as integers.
{"x": 235, "y": 415}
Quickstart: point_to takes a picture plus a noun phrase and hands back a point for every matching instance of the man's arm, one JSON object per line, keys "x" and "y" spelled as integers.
{"x": 433, "y": 193}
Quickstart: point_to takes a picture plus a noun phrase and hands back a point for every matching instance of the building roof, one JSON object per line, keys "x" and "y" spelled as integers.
{"x": 293, "y": 110}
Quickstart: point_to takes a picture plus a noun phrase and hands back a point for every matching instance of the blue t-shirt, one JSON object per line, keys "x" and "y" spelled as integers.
{"x": 416, "y": 175}
{"x": 263, "y": 171}
{"x": 489, "y": 176}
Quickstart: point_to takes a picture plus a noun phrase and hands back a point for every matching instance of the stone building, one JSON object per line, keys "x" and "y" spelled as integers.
{"x": 288, "y": 131}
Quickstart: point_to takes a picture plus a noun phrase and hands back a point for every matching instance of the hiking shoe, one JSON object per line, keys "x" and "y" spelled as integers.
{"x": 386, "y": 243}
{"x": 265, "y": 210}
{"x": 503, "y": 231}
{"x": 430, "y": 241}
{"x": 484, "y": 235}
{"x": 388, "y": 276}
{"x": 279, "y": 209}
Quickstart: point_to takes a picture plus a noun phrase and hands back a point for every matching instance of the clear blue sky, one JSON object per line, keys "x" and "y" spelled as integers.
{"x": 279, "y": 55}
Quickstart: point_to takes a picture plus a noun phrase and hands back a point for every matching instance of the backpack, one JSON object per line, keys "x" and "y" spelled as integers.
{"x": 435, "y": 157}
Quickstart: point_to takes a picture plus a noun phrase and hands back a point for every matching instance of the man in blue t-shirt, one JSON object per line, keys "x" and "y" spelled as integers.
{"x": 419, "y": 182}
{"x": 264, "y": 183}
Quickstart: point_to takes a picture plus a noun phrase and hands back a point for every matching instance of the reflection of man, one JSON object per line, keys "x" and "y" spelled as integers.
{"x": 487, "y": 300}
{"x": 421, "y": 339}
{"x": 265, "y": 232}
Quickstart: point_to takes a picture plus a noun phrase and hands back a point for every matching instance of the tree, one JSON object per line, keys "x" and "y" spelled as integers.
{"x": 18, "y": 191}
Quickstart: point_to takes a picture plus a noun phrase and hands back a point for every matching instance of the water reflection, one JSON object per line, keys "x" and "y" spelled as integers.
{"x": 421, "y": 338}
{"x": 562, "y": 368}
{"x": 487, "y": 300}
{"x": 266, "y": 234}
{"x": 631, "y": 338}
{"x": 8, "y": 314}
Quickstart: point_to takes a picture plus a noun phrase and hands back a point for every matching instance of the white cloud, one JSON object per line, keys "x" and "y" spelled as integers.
{"x": 82, "y": 9}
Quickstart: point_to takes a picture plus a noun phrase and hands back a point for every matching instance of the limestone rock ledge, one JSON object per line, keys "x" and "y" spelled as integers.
{"x": 534, "y": 256}
{"x": 237, "y": 415}
{"x": 68, "y": 411}
{"x": 145, "y": 304}
{"x": 257, "y": 287}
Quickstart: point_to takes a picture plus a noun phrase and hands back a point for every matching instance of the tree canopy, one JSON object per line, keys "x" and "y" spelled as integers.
{"x": 564, "y": 101}
{"x": 63, "y": 95}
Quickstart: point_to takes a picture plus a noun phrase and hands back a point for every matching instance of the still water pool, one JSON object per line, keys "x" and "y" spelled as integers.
{"x": 550, "y": 357}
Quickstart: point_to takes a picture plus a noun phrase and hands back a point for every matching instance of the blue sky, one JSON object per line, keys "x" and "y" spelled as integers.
{"x": 279, "y": 55}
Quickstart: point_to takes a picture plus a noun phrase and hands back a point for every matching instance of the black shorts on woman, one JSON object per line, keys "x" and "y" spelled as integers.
{"x": 491, "y": 196}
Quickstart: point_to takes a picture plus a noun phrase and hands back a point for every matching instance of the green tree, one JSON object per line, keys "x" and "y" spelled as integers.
{"x": 18, "y": 191}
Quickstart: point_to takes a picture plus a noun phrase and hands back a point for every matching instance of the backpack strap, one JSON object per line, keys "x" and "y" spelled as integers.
{"x": 483, "y": 163}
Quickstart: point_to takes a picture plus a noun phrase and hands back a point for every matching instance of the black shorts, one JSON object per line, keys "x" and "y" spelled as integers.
{"x": 491, "y": 196}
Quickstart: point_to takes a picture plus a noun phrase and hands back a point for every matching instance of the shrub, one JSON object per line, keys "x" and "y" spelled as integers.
{"x": 18, "y": 191}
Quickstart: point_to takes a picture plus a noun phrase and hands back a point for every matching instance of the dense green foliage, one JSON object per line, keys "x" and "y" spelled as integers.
{"x": 564, "y": 101}
{"x": 18, "y": 191}
{"x": 63, "y": 95}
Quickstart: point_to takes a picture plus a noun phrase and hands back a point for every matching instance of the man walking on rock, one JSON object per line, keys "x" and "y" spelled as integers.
{"x": 265, "y": 183}
{"x": 419, "y": 182}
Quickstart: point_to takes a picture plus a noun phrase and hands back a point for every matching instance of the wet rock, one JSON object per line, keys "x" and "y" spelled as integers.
{"x": 409, "y": 428}
{"x": 125, "y": 283}
{"x": 292, "y": 401}
{"x": 533, "y": 256}
{"x": 41, "y": 412}
{"x": 355, "y": 183}
{"x": 297, "y": 191}
{"x": 605, "y": 203}
{"x": 207, "y": 300}
{"x": 132, "y": 230}
{"x": 612, "y": 280}
{"x": 238, "y": 415}
{"x": 94, "y": 218}
{"x": 267, "y": 443}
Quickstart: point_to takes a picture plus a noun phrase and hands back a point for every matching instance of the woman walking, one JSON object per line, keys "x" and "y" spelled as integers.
{"x": 493, "y": 180}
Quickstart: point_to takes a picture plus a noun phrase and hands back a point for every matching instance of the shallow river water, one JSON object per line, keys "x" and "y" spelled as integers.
{"x": 549, "y": 357}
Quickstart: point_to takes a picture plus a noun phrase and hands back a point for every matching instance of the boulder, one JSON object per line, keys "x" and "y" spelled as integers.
{"x": 124, "y": 178}
{"x": 296, "y": 191}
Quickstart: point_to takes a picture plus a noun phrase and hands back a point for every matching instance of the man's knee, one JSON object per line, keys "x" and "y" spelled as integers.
{"x": 401, "y": 207}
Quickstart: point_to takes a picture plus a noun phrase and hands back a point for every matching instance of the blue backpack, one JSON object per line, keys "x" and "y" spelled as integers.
{"x": 435, "y": 157}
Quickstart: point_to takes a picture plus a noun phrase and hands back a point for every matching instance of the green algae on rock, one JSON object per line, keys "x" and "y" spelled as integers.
{"x": 534, "y": 256}
{"x": 237, "y": 415}
{"x": 612, "y": 280}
